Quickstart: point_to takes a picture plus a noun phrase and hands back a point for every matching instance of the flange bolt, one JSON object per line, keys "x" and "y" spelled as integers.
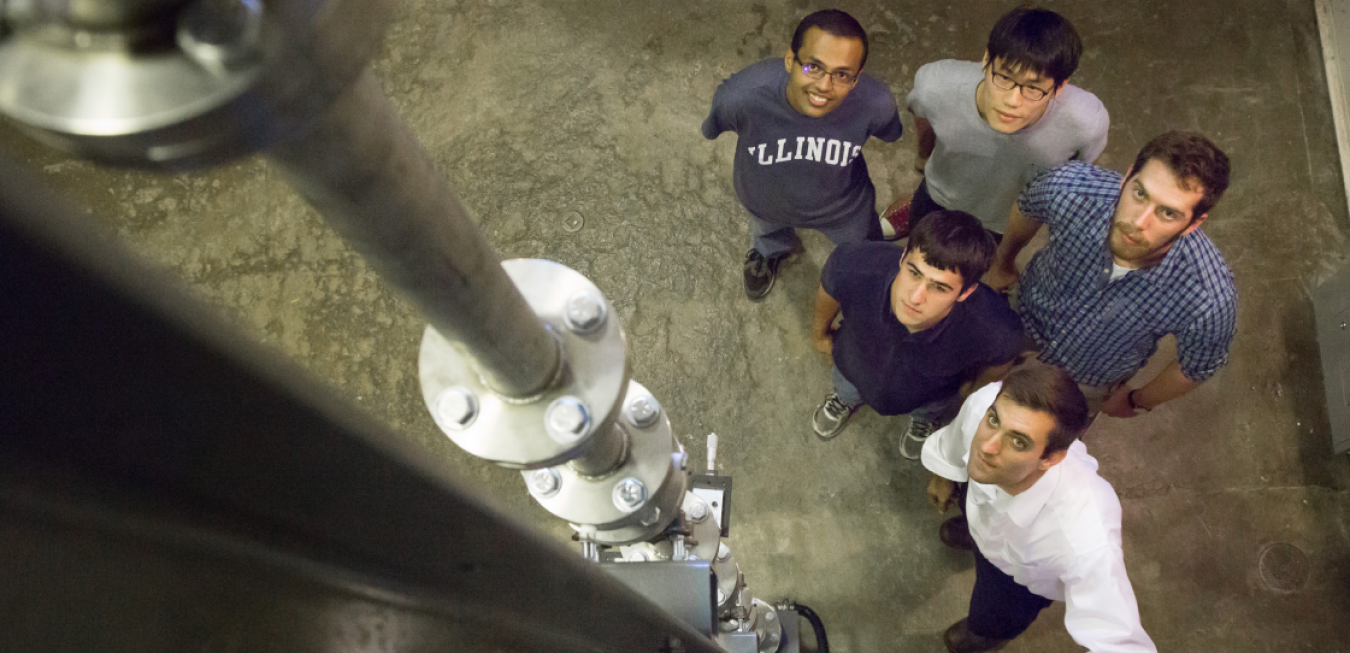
{"x": 456, "y": 408}
{"x": 629, "y": 494}
{"x": 220, "y": 34}
{"x": 643, "y": 411}
{"x": 698, "y": 512}
{"x": 585, "y": 313}
{"x": 545, "y": 482}
{"x": 567, "y": 419}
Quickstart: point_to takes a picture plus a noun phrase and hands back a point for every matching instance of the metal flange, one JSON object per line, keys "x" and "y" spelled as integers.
{"x": 655, "y": 463}
{"x": 180, "y": 83}
{"x": 572, "y": 419}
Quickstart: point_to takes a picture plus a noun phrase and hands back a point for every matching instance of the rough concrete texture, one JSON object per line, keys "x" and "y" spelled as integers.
{"x": 537, "y": 109}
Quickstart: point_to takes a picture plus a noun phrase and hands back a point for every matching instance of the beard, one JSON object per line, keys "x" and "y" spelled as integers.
{"x": 1131, "y": 252}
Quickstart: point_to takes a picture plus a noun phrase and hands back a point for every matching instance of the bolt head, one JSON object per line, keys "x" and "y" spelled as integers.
{"x": 643, "y": 411}
{"x": 629, "y": 494}
{"x": 545, "y": 482}
{"x": 456, "y": 408}
{"x": 567, "y": 419}
{"x": 697, "y": 512}
{"x": 723, "y": 552}
{"x": 220, "y": 34}
{"x": 652, "y": 518}
{"x": 585, "y": 313}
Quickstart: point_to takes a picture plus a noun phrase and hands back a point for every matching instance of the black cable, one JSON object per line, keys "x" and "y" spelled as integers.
{"x": 822, "y": 646}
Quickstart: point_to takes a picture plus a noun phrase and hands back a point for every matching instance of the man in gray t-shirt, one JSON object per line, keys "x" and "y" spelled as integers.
{"x": 985, "y": 129}
{"x": 801, "y": 123}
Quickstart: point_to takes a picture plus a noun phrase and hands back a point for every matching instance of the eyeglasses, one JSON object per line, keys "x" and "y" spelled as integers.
{"x": 1031, "y": 93}
{"x": 816, "y": 71}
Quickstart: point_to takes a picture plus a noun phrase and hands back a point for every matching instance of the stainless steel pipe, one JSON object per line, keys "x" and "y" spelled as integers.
{"x": 364, "y": 172}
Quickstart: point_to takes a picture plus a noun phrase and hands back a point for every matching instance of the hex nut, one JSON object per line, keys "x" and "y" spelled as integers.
{"x": 456, "y": 408}
{"x": 585, "y": 313}
{"x": 629, "y": 494}
{"x": 567, "y": 419}
{"x": 652, "y": 518}
{"x": 697, "y": 512}
{"x": 220, "y": 34}
{"x": 545, "y": 482}
{"x": 643, "y": 411}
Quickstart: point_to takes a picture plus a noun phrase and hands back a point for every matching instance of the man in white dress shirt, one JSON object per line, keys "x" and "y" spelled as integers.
{"x": 1043, "y": 525}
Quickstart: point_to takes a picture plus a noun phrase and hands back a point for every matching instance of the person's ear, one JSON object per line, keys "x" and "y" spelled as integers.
{"x": 1059, "y": 87}
{"x": 962, "y": 297}
{"x": 1053, "y": 459}
{"x": 788, "y": 60}
{"x": 1195, "y": 223}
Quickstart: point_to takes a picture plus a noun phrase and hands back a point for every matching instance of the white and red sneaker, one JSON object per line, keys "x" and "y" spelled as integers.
{"x": 895, "y": 221}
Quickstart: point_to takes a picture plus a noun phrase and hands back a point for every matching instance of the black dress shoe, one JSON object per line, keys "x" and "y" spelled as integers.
{"x": 955, "y": 533}
{"x": 959, "y": 639}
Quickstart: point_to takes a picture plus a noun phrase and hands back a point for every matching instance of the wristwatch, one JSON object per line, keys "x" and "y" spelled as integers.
{"x": 1129, "y": 398}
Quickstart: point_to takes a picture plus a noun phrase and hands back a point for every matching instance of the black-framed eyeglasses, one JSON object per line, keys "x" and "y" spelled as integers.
{"x": 1031, "y": 93}
{"x": 817, "y": 71}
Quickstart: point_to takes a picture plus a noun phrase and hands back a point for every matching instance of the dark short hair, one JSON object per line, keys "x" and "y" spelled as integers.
{"x": 1036, "y": 40}
{"x": 1194, "y": 160}
{"x": 835, "y": 23}
{"x": 1048, "y": 389}
{"x": 954, "y": 241}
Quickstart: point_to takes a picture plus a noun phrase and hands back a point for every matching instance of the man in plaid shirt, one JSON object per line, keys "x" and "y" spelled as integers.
{"x": 1126, "y": 265}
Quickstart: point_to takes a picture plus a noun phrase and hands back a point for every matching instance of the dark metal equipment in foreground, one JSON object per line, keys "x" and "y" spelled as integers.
{"x": 167, "y": 485}
{"x": 179, "y": 446}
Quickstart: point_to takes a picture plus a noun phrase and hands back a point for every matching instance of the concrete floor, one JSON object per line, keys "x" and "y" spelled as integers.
{"x": 534, "y": 110}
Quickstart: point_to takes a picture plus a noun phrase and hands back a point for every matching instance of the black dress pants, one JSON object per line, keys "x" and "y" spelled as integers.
{"x": 999, "y": 607}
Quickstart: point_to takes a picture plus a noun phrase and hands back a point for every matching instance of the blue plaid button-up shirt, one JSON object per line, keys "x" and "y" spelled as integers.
{"x": 1103, "y": 331}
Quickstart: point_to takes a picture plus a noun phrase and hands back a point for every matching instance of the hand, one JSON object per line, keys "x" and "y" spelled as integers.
{"x": 1117, "y": 404}
{"x": 825, "y": 344}
{"x": 1001, "y": 276}
{"x": 940, "y": 493}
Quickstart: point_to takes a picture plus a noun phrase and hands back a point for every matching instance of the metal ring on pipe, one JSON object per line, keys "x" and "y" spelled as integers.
{"x": 572, "y": 419}
{"x": 655, "y": 459}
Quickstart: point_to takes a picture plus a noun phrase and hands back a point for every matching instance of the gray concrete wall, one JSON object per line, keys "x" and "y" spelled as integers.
{"x": 534, "y": 110}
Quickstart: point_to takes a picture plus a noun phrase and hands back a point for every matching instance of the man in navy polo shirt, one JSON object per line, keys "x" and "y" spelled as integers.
{"x": 919, "y": 330}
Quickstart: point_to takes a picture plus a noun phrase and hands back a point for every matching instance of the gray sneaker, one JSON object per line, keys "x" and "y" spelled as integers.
{"x": 911, "y": 443}
{"x": 831, "y": 416}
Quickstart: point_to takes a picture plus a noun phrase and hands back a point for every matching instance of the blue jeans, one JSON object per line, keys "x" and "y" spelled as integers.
{"x": 772, "y": 240}
{"x": 939, "y": 411}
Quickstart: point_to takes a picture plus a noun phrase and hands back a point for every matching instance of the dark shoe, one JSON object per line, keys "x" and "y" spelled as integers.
{"x": 911, "y": 443}
{"x": 959, "y": 639}
{"x": 895, "y": 221}
{"x": 955, "y": 533}
{"x": 759, "y": 274}
{"x": 831, "y": 417}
